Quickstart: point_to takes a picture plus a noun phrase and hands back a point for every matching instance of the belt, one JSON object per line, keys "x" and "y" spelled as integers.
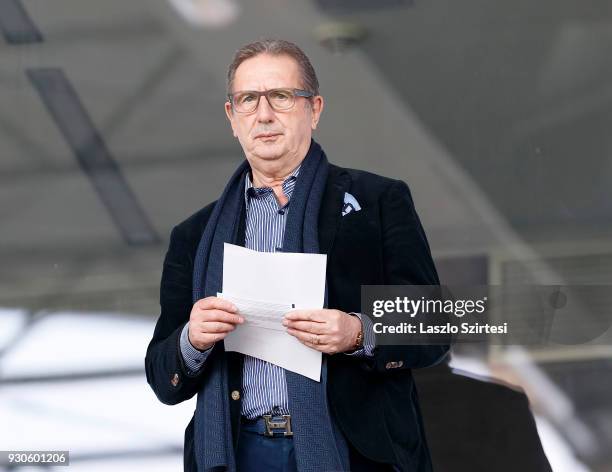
{"x": 269, "y": 425}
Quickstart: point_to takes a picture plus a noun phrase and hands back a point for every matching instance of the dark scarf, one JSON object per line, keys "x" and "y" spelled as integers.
{"x": 319, "y": 444}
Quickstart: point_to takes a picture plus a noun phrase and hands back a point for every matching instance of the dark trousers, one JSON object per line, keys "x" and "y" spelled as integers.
{"x": 256, "y": 453}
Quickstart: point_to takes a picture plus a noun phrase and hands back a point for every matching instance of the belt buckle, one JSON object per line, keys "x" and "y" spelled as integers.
{"x": 285, "y": 423}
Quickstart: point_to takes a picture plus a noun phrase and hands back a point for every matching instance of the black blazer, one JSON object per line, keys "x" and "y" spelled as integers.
{"x": 373, "y": 400}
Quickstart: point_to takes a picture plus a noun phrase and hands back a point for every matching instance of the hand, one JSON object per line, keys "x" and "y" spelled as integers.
{"x": 212, "y": 319}
{"x": 328, "y": 331}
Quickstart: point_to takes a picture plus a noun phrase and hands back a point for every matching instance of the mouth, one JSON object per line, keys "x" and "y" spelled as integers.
{"x": 266, "y": 136}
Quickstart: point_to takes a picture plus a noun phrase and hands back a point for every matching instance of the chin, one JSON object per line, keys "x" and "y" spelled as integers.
{"x": 269, "y": 151}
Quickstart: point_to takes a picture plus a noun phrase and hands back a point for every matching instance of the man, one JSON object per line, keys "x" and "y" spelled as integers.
{"x": 252, "y": 415}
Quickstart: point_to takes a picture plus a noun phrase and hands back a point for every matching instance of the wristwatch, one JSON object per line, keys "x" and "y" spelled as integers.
{"x": 359, "y": 339}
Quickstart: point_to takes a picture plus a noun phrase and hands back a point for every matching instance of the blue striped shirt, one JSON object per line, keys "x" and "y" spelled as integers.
{"x": 263, "y": 384}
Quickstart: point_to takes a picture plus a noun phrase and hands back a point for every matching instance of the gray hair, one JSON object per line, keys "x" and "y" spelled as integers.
{"x": 275, "y": 47}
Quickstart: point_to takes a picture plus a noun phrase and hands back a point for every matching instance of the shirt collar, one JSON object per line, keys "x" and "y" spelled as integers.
{"x": 251, "y": 191}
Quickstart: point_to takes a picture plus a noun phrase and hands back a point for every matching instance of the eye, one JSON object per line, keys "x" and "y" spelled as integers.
{"x": 280, "y": 95}
{"x": 245, "y": 98}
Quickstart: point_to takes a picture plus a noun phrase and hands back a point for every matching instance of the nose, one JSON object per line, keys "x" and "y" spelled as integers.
{"x": 265, "y": 113}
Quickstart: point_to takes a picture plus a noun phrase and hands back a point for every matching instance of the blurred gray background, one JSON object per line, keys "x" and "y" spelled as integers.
{"x": 496, "y": 114}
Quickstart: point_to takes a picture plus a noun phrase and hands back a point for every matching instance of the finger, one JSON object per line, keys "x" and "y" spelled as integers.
{"x": 304, "y": 336}
{"x": 307, "y": 326}
{"x": 215, "y": 327}
{"x": 221, "y": 316}
{"x": 316, "y": 347}
{"x": 202, "y": 339}
{"x": 224, "y": 316}
{"x": 209, "y": 303}
{"x": 304, "y": 315}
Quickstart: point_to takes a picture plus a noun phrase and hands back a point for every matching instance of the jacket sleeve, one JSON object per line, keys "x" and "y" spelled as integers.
{"x": 165, "y": 367}
{"x": 407, "y": 261}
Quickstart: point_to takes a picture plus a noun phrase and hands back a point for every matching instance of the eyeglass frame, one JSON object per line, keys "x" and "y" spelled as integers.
{"x": 296, "y": 93}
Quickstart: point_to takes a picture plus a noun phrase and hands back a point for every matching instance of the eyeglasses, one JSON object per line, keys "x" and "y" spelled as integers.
{"x": 280, "y": 99}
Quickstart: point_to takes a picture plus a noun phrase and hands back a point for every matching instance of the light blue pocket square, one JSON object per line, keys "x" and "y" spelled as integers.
{"x": 350, "y": 204}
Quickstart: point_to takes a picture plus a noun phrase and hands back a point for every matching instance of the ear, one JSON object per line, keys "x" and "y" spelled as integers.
{"x": 229, "y": 113}
{"x": 317, "y": 108}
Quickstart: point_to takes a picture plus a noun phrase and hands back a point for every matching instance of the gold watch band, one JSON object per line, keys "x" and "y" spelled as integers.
{"x": 359, "y": 339}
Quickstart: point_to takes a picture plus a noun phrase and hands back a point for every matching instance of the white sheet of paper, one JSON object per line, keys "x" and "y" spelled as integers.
{"x": 278, "y": 278}
{"x": 258, "y": 313}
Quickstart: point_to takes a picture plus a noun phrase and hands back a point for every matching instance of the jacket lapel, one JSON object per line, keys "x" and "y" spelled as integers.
{"x": 338, "y": 182}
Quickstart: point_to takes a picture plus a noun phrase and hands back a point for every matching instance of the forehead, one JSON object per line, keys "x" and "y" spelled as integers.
{"x": 264, "y": 72}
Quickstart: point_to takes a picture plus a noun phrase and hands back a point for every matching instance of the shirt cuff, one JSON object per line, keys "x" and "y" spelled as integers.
{"x": 369, "y": 339}
{"x": 194, "y": 358}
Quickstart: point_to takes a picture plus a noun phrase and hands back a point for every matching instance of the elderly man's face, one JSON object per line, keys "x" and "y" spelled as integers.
{"x": 266, "y": 134}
